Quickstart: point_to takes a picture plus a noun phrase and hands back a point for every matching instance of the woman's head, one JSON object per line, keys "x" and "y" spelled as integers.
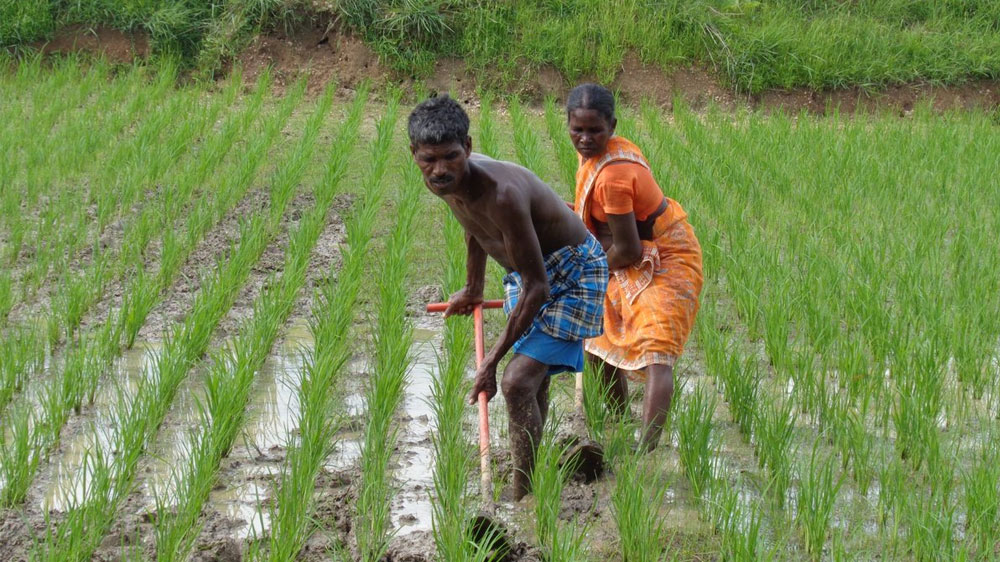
{"x": 590, "y": 115}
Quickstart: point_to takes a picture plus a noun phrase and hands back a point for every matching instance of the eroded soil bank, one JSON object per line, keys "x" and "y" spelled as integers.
{"x": 324, "y": 54}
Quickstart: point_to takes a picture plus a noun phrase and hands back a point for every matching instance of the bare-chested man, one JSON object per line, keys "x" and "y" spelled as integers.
{"x": 556, "y": 271}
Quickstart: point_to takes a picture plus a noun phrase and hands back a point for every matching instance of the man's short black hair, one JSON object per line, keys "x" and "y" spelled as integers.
{"x": 438, "y": 120}
{"x": 591, "y": 96}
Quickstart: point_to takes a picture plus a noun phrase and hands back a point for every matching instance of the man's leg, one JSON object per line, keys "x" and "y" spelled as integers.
{"x": 521, "y": 384}
{"x": 542, "y": 397}
{"x": 615, "y": 385}
{"x": 656, "y": 403}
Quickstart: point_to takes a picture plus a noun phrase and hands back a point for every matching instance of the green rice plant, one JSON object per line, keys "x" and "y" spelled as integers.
{"x": 741, "y": 385}
{"x": 489, "y": 140}
{"x": 555, "y": 123}
{"x": 740, "y": 525}
{"x": 140, "y": 415}
{"x": 981, "y": 489}
{"x": 930, "y": 515}
{"x": 817, "y": 495}
{"x": 392, "y": 340}
{"x": 20, "y": 357}
{"x": 230, "y": 379}
{"x": 291, "y": 519}
{"x": 695, "y": 439}
{"x": 88, "y": 358}
{"x": 636, "y": 501}
{"x": 527, "y": 144}
{"x": 775, "y": 430}
{"x": 451, "y": 498}
{"x": 565, "y": 542}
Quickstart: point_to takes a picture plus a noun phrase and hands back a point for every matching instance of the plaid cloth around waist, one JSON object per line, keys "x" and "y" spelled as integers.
{"x": 578, "y": 279}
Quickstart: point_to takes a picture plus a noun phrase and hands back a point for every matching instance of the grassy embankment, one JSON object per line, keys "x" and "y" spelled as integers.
{"x": 753, "y": 46}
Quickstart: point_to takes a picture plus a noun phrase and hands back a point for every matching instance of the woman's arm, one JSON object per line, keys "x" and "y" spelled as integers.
{"x": 626, "y": 247}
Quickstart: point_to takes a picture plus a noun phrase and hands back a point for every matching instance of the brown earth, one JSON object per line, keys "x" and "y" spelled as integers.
{"x": 116, "y": 45}
{"x": 324, "y": 53}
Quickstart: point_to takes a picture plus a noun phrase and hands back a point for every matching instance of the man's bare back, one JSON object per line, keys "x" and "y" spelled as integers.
{"x": 500, "y": 183}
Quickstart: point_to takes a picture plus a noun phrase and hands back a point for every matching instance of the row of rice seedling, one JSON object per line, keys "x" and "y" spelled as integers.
{"x": 64, "y": 226}
{"x": 333, "y": 315}
{"x": 230, "y": 378}
{"x": 24, "y": 148}
{"x": 451, "y": 498}
{"x": 392, "y": 339}
{"x": 20, "y": 203}
{"x": 136, "y": 418}
{"x": 78, "y": 292}
{"x": 914, "y": 403}
{"x": 76, "y": 378}
{"x": 51, "y": 235}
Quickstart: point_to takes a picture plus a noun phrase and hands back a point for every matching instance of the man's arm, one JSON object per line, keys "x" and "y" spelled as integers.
{"x": 466, "y": 299}
{"x": 475, "y": 267}
{"x": 513, "y": 217}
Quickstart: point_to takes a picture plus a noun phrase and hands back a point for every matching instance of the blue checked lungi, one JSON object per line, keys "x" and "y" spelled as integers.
{"x": 574, "y": 311}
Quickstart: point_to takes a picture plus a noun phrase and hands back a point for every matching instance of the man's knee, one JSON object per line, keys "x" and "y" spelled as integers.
{"x": 517, "y": 386}
{"x": 521, "y": 379}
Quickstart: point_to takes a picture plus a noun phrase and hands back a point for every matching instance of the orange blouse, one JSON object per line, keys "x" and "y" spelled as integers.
{"x": 625, "y": 187}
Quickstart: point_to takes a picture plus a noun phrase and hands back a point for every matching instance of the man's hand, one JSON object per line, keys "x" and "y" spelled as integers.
{"x": 486, "y": 381}
{"x": 463, "y": 302}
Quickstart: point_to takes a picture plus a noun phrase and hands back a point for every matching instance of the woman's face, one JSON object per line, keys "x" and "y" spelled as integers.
{"x": 590, "y": 131}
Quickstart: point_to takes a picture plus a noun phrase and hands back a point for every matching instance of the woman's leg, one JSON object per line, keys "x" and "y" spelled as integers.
{"x": 615, "y": 385}
{"x": 656, "y": 403}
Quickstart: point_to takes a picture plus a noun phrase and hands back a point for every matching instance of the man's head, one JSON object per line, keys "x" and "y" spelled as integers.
{"x": 440, "y": 142}
{"x": 590, "y": 115}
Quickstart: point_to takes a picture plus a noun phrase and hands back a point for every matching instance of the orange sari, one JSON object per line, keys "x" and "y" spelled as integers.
{"x": 650, "y": 306}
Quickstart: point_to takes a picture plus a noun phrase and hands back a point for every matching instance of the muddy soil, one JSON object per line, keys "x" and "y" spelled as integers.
{"x": 202, "y": 261}
{"x": 115, "y": 45}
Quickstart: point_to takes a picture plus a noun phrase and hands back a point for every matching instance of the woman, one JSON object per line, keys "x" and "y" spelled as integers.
{"x": 653, "y": 255}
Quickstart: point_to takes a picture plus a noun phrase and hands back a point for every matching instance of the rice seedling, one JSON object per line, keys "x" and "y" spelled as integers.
{"x": 740, "y": 524}
{"x": 489, "y": 141}
{"x": 981, "y": 487}
{"x": 637, "y": 500}
{"x": 815, "y": 500}
{"x": 230, "y": 379}
{"x": 564, "y": 542}
{"x": 451, "y": 499}
{"x": 291, "y": 518}
{"x": 741, "y": 385}
{"x": 86, "y": 360}
{"x": 775, "y": 430}
{"x": 555, "y": 123}
{"x": 695, "y": 439}
{"x": 392, "y": 340}
{"x": 527, "y": 144}
{"x": 140, "y": 415}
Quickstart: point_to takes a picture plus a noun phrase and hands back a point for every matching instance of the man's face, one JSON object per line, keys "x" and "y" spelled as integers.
{"x": 443, "y": 165}
{"x": 590, "y": 131}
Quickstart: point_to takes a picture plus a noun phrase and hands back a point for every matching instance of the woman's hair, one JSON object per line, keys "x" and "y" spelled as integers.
{"x": 438, "y": 120}
{"x": 591, "y": 96}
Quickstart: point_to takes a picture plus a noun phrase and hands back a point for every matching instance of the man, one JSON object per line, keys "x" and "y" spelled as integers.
{"x": 556, "y": 271}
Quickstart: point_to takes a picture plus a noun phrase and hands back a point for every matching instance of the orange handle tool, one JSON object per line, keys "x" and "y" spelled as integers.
{"x": 485, "y": 471}
{"x": 442, "y": 306}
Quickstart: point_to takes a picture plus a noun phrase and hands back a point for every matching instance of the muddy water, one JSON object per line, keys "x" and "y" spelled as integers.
{"x": 411, "y": 510}
{"x": 64, "y": 481}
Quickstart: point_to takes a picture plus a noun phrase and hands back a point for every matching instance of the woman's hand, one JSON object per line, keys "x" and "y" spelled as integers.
{"x": 463, "y": 302}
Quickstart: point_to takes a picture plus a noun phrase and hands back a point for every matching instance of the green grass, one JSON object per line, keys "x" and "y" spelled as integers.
{"x": 753, "y": 45}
